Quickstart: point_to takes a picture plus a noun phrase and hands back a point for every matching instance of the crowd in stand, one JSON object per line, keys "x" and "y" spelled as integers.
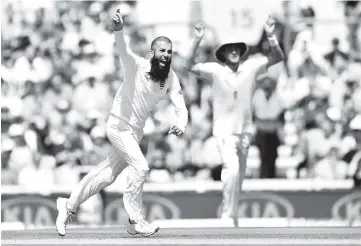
{"x": 60, "y": 72}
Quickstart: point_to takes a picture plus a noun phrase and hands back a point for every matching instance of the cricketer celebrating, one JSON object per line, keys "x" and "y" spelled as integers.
{"x": 233, "y": 87}
{"x": 146, "y": 82}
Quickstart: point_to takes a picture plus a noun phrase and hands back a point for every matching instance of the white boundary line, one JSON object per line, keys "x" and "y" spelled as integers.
{"x": 207, "y": 223}
{"x": 175, "y": 241}
{"x": 205, "y": 186}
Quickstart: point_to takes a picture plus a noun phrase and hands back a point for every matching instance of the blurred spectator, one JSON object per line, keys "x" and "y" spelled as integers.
{"x": 159, "y": 171}
{"x": 331, "y": 166}
{"x": 91, "y": 95}
{"x": 268, "y": 117}
{"x": 344, "y": 91}
{"x": 353, "y": 157}
{"x": 175, "y": 152}
{"x": 57, "y": 116}
{"x": 58, "y": 90}
{"x": 31, "y": 99}
{"x": 101, "y": 147}
{"x": 21, "y": 155}
{"x": 39, "y": 175}
{"x": 319, "y": 130}
{"x": 66, "y": 169}
{"x": 336, "y": 57}
{"x": 9, "y": 176}
{"x": 352, "y": 12}
{"x": 306, "y": 53}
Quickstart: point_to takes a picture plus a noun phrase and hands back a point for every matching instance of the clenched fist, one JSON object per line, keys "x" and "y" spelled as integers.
{"x": 175, "y": 131}
{"x": 118, "y": 21}
{"x": 199, "y": 31}
{"x": 269, "y": 27}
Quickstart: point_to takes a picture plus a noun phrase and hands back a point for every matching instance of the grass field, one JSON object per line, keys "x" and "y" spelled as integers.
{"x": 188, "y": 236}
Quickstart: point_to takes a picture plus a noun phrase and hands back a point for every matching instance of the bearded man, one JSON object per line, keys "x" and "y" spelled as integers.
{"x": 146, "y": 82}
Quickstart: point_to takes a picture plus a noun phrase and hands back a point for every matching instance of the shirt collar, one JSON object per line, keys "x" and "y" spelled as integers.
{"x": 230, "y": 71}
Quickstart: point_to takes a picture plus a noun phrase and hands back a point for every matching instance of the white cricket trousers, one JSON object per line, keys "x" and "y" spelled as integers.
{"x": 233, "y": 150}
{"x": 125, "y": 154}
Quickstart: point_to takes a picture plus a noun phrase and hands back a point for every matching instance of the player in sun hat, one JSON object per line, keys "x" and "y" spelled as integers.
{"x": 229, "y": 43}
{"x": 233, "y": 87}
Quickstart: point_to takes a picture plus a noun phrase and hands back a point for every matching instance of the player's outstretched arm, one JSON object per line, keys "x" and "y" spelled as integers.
{"x": 198, "y": 36}
{"x": 276, "y": 55}
{"x": 203, "y": 70}
{"x": 176, "y": 96}
{"x": 125, "y": 53}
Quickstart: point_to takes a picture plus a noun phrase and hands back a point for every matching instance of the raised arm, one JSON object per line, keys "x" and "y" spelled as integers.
{"x": 127, "y": 57}
{"x": 176, "y": 96}
{"x": 276, "y": 54}
{"x": 198, "y": 36}
{"x": 204, "y": 70}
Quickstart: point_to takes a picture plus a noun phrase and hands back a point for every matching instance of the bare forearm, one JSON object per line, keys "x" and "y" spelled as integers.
{"x": 276, "y": 54}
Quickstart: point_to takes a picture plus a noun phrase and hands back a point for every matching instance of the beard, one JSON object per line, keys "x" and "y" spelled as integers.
{"x": 158, "y": 74}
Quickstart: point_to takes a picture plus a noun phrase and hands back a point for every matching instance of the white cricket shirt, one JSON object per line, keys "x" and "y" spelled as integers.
{"x": 232, "y": 93}
{"x": 138, "y": 94}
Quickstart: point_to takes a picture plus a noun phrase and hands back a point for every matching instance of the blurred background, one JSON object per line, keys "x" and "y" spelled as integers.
{"x": 60, "y": 72}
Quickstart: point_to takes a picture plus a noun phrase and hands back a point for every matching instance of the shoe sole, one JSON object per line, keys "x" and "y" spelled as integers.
{"x": 144, "y": 234}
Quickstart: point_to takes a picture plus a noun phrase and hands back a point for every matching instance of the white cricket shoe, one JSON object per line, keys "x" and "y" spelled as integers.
{"x": 141, "y": 227}
{"x": 227, "y": 221}
{"x": 64, "y": 216}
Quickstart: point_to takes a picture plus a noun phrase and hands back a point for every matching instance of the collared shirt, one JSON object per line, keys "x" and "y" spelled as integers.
{"x": 267, "y": 110}
{"x": 232, "y": 93}
{"x": 138, "y": 94}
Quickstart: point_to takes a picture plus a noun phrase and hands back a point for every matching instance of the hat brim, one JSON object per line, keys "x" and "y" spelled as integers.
{"x": 243, "y": 47}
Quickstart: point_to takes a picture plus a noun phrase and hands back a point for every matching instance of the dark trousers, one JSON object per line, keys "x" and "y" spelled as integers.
{"x": 267, "y": 142}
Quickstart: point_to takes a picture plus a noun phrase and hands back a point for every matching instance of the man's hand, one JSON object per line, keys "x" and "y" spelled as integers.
{"x": 176, "y": 131}
{"x": 118, "y": 21}
{"x": 269, "y": 27}
{"x": 198, "y": 31}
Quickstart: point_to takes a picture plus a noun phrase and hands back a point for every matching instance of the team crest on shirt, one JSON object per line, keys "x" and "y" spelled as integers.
{"x": 147, "y": 76}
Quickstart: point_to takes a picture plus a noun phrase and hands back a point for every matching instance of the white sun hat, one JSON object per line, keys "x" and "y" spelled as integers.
{"x": 230, "y": 40}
